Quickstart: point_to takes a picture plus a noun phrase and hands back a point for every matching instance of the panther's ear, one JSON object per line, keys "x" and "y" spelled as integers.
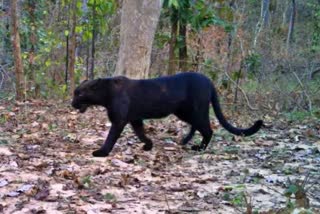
{"x": 83, "y": 81}
{"x": 96, "y": 83}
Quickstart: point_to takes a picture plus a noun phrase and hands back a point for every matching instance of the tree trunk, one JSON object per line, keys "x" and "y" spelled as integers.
{"x": 66, "y": 78}
{"x": 183, "y": 52}
{"x": 6, "y": 34}
{"x": 31, "y": 74}
{"x": 88, "y": 59}
{"x": 263, "y": 20}
{"x": 20, "y": 83}
{"x": 72, "y": 48}
{"x": 172, "y": 45}
{"x": 265, "y": 13}
{"x": 139, "y": 20}
{"x": 183, "y": 21}
{"x": 291, "y": 24}
{"x": 93, "y": 46}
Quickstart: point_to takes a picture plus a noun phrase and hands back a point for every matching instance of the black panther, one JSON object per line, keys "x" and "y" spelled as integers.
{"x": 186, "y": 95}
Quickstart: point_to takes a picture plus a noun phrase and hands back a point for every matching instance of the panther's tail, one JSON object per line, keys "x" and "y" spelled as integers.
{"x": 237, "y": 131}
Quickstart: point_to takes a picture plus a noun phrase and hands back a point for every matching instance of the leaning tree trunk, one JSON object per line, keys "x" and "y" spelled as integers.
{"x": 20, "y": 84}
{"x": 139, "y": 20}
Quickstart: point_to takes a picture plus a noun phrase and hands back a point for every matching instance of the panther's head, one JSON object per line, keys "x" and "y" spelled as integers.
{"x": 87, "y": 94}
{"x": 98, "y": 92}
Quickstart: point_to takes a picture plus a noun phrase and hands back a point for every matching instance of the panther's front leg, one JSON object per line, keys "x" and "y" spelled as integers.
{"x": 113, "y": 135}
{"x": 117, "y": 114}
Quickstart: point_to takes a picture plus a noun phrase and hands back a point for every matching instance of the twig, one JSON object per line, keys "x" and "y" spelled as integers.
{"x": 4, "y": 76}
{"x": 313, "y": 73}
{"x": 1, "y": 77}
{"x": 304, "y": 90}
{"x": 313, "y": 196}
{"x": 242, "y": 91}
{"x": 167, "y": 202}
{"x": 248, "y": 202}
{"x": 312, "y": 184}
{"x": 236, "y": 92}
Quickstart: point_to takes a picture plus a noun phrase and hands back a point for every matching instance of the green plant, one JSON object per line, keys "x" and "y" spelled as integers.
{"x": 86, "y": 181}
{"x": 109, "y": 197}
{"x": 231, "y": 149}
{"x": 3, "y": 142}
{"x": 3, "y": 119}
{"x": 252, "y": 62}
{"x": 298, "y": 115}
{"x": 297, "y": 190}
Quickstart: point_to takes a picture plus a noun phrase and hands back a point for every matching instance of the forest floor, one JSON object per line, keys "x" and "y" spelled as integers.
{"x": 46, "y": 165}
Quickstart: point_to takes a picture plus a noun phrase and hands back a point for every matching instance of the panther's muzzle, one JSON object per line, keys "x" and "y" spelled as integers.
{"x": 81, "y": 107}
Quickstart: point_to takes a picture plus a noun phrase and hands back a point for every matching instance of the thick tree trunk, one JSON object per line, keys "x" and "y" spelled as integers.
{"x": 20, "y": 83}
{"x": 172, "y": 46}
{"x": 139, "y": 20}
{"x": 72, "y": 48}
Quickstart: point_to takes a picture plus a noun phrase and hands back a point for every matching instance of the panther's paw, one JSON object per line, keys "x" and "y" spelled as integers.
{"x": 100, "y": 153}
{"x": 197, "y": 148}
{"x": 147, "y": 147}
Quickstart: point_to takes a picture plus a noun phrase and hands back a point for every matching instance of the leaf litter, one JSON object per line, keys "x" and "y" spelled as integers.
{"x": 46, "y": 165}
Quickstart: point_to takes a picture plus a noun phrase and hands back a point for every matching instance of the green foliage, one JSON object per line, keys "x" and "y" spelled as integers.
{"x": 109, "y": 197}
{"x": 199, "y": 14}
{"x": 236, "y": 75}
{"x": 172, "y": 3}
{"x": 203, "y": 15}
{"x": 315, "y": 7}
{"x": 49, "y": 46}
{"x": 291, "y": 190}
{"x": 3, "y": 119}
{"x": 299, "y": 115}
{"x": 253, "y": 62}
{"x": 96, "y": 17}
{"x": 161, "y": 39}
{"x": 86, "y": 181}
{"x": 231, "y": 149}
{"x": 208, "y": 66}
{"x": 235, "y": 194}
{"x": 3, "y": 142}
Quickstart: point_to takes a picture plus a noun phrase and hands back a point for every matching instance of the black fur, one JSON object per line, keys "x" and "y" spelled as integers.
{"x": 187, "y": 95}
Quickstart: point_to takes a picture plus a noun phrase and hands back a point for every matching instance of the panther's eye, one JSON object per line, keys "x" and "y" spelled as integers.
{"x": 78, "y": 93}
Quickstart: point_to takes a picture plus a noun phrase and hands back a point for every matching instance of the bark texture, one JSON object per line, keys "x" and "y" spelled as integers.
{"x": 72, "y": 49}
{"x": 139, "y": 20}
{"x": 20, "y": 83}
{"x": 172, "y": 46}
